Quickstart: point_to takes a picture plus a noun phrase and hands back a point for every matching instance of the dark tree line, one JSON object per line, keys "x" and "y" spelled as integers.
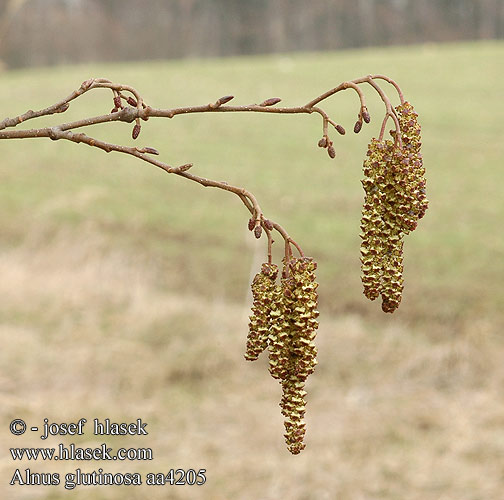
{"x": 45, "y": 32}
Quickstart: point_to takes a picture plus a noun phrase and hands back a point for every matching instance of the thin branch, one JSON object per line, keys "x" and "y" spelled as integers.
{"x": 137, "y": 110}
{"x": 342, "y": 86}
{"x": 393, "y": 82}
{"x": 390, "y": 111}
{"x": 270, "y": 245}
{"x": 56, "y": 133}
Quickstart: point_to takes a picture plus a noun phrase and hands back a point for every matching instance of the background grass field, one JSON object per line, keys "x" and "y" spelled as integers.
{"x": 124, "y": 291}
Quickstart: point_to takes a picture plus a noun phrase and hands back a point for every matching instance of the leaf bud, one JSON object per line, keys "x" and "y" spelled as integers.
{"x": 152, "y": 151}
{"x": 225, "y": 99}
{"x": 271, "y": 101}
{"x": 63, "y": 107}
{"x": 136, "y": 131}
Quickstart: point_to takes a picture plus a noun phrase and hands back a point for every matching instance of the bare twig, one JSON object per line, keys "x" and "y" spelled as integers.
{"x": 394, "y": 83}
{"x": 129, "y": 107}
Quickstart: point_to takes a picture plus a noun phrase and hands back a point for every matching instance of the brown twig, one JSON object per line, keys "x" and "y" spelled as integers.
{"x": 270, "y": 245}
{"x": 390, "y": 111}
{"x": 394, "y": 83}
{"x": 137, "y": 110}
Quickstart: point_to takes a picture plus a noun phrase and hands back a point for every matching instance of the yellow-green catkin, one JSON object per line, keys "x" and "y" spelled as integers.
{"x": 279, "y": 337}
{"x": 394, "y": 186}
{"x": 263, "y": 293}
{"x": 412, "y": 161}
{"x": 285, "y": 321}
{"x": 295, "y": 347}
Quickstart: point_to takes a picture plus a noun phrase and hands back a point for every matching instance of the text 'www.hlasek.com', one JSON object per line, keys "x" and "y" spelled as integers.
{"x": 29, "y": 476}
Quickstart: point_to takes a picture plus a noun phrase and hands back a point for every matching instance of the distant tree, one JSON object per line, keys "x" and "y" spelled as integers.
{"x": 8, "y": 10}
{"x": 131, "y": 30}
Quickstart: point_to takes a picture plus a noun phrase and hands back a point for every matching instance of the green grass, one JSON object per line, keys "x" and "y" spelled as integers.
{"x": 124, "y": 290}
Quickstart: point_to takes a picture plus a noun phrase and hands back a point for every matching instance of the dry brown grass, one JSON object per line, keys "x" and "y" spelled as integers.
{"x": 393, "y": 414}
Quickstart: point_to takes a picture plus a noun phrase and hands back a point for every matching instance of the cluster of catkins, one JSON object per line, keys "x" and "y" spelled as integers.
{"x": 284, "y": 321}
{"x": 395, "y": 200}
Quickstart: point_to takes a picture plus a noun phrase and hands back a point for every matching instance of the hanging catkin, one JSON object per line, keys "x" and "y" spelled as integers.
{"x": 394, "y": 201}
{"x": 284, "y": 320}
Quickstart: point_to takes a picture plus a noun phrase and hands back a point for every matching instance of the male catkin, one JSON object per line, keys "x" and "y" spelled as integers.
{"x": 284, "y": 319}
{"x": 263, "y": 293}
{"x": 394, "y": 201}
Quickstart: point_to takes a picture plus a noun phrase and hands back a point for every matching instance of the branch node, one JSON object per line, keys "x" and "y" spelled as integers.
{"x": 54, "y": 133}
{"x": 144, "y": 114}
{"x": 86, "y": 85}
{"x": 128, "y": 114}
{"x": 268, "y": 224}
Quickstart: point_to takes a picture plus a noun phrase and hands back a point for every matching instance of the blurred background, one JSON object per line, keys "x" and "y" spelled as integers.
{"x": 125, "y": 292}
{"x": 124, "y": 30}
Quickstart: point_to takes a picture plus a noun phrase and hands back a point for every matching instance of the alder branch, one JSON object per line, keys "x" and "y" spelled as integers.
{"x": 129, "y": 107}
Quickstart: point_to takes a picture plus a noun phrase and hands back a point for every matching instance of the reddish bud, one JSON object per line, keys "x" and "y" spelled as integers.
{"x": 63, "y": 107}
{"x": 268, "y": 224}
{"x": 225, "y": 99}
{"x": 331, "y": 151}
{"x": 365, "y": 115}
{"x": 271, "y": 101}
{"x": 251, "y": 224}
{"x": 117, "y": 101}
{"x": 151, "y": 151}
{"x": 131, "y": 101}
{"x": 87, "y": 83}
{"x": 322, "y": 143}
{"x": 258, "y": 231}
{"x": 357, "y": 126}
{"x": 340, "y": 129}
{"x": 136, "y": 131}
{"x": 184, "y": 168}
